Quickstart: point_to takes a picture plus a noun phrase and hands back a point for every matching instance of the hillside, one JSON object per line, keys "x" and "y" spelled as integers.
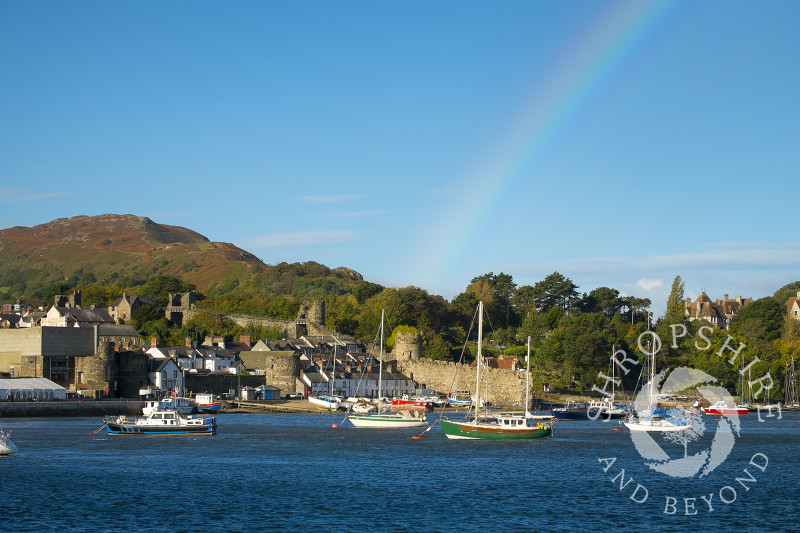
{"x": 126, "y": 251}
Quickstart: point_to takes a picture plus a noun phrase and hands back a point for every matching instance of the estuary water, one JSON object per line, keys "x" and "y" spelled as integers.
{"x": 295, "y": 472}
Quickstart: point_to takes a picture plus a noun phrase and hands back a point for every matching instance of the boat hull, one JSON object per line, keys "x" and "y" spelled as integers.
{"x": 7, "y": 447}
{"x": 655, "y": 426}
{"x": 469, "y": 430}
{"x": 113, "y": 428}
{"x": 209, "y": 408}
{"x": 726, "y": 410}
{"x": 569, "y": 415}
{"x": 326, "y": 402}
{"x": 385, "y": 421}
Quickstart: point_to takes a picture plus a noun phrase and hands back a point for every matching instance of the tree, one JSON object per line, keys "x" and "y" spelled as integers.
{"x": 606, "y": 300}
{"x": 55, "y": 290}
{"x": 504, "y": 288}
{"x": 554, "y": 290}
{"x": 768, "y": 314}
{"x": 786, "y": 292}
{"x": 524, "y": 301}
{"x": 675, "y": 302}
{"x": 158, "y": 289}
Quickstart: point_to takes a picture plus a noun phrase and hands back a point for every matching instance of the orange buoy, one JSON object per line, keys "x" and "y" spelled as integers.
{"x": 335, "y": 426}
{"x": 616, "y": 429}
{"x": 416, "y": 437}
{"x": 716, "y": 420}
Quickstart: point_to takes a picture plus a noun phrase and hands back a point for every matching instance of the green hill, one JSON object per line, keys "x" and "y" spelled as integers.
{"x": 127, "y": 251}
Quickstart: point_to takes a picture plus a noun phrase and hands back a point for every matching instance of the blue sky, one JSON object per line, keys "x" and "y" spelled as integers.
{"x": 422, "y": 143}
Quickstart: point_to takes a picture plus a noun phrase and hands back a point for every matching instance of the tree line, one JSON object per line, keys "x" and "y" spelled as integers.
{"x": 572, "y": 333}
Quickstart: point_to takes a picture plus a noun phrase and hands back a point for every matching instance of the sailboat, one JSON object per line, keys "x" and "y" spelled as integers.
{"x": 791, "y": 402}
{"x": 330, "y": 401}
{"x": 607, "y": 409}
{"x": 652, "y": 419}
{"x": 408, "y": 416}
{"x": 480, "y": 424}
{"x": 7, "y": 446}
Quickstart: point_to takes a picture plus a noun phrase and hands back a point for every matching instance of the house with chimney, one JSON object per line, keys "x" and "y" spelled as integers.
{"x": 793, "y": 306}
{"x": 719, "y": 313}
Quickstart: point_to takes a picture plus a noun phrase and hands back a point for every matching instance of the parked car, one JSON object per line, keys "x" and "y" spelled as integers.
{"x": 296, "y": 396}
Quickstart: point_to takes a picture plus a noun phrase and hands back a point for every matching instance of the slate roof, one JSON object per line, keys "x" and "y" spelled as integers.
{"x": 131, "y": 299}
{"x": 117, "y": 330}
{"x": 89, "y": 315}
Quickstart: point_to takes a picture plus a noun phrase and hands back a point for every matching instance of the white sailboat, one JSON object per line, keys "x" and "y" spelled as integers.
{"x": 650, "y": 418}
{"x": 7, "y": 445}
{"x": 330, "y": 401}
{"x": 405, "y": 417}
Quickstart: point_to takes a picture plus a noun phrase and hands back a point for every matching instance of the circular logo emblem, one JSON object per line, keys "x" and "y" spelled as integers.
{"x": 679, "y": 430}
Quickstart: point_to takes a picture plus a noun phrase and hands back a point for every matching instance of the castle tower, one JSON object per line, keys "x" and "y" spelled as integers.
{"x": 312, "y": 312}
{"x": 407, "y": 346}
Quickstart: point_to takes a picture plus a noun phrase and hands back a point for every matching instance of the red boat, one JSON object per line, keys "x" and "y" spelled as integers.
{"x": 420, "y": 403}
{"x": 722, "y": 408}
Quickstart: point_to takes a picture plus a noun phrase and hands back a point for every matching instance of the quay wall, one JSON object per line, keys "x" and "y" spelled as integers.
{"x": 70, "y": 408}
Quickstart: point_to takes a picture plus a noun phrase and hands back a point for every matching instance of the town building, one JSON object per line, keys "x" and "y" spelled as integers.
{"x": 793, "y": 306}
{"x": 123, "y": 307}
{"x": 719, "y": 313}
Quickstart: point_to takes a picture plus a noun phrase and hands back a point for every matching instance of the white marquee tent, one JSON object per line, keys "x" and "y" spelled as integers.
{"x": 29, "y": 388}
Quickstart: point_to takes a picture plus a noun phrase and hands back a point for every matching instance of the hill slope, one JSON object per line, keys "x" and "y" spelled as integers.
{"x": 126, "y": 251}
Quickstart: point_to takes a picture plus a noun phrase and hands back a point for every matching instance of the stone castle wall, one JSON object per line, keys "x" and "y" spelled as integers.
{"x": 506, "y": 387}
{"x": 310, "y": 321}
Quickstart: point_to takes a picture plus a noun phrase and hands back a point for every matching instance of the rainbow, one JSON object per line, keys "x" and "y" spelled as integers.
{"x": 577, "y": 76}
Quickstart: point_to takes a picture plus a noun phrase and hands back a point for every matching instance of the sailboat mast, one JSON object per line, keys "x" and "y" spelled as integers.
{"x": 479, "y": 359}
{"x": 528, "y": 377}
{"x": 333, "y": 375}
{"x": 380, "y": 363}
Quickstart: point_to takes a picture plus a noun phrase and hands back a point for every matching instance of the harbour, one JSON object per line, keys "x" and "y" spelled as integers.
{"x": 287, "y": 472}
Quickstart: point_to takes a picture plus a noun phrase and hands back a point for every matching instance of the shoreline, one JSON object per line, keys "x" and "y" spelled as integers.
{"x": 102, "y": 407}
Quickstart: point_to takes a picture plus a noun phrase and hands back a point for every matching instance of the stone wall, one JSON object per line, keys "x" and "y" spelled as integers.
{"x": 97, "y": 371}
{"x": 506, "y": 387}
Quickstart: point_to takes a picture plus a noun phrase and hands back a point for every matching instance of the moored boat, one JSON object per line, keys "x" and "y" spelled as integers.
{"x": 161, "y": 423}
{"x": 499, "y": 426}
{"x": 483, "y": 425}
{"x": 207, "y": 403}
{"x": 397, "y": 415}
{"x": 414, "y": 401}
{"x": 571, "y": 411}
{"x": 363, "y": 408}
{"x": 722, "y": 408}
{"x": 646, "y": 416}
{"x": 183, "y": 405}
{"x": 324, "y": 400}
{"x": 404, "y": 418}
{"x": 7, "y": 446}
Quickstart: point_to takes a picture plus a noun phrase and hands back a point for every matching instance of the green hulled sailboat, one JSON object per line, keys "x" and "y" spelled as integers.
{"x": 481, "y": 424}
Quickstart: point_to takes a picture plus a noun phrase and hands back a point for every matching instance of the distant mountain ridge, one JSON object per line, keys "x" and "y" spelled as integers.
{"x": 121, "y": 250}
